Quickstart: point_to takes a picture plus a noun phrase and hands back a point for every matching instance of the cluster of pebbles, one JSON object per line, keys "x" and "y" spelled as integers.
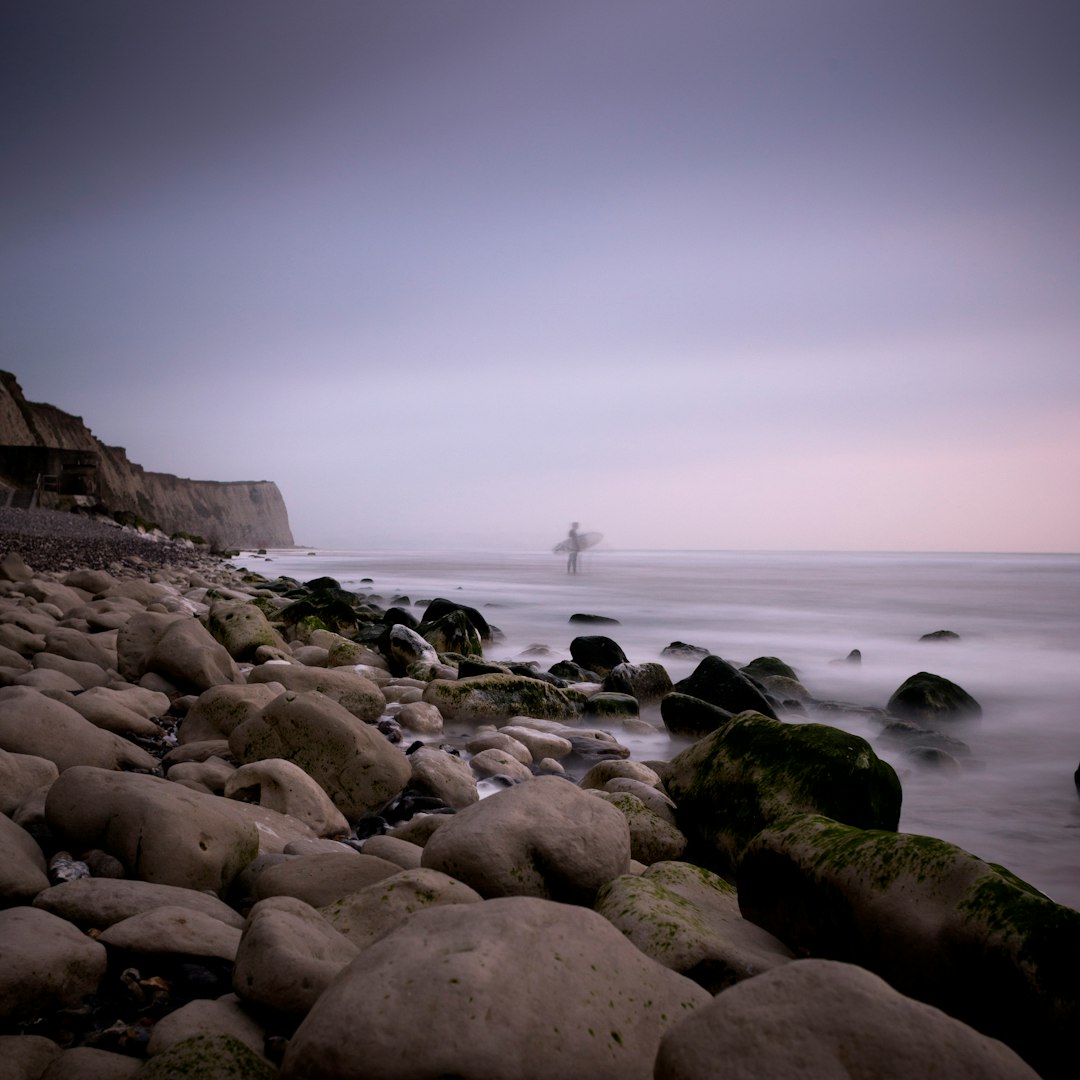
{"x": 234, "y": 849}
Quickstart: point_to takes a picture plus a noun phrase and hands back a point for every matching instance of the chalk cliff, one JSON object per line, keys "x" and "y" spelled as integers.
{"x": 244, "y": 513}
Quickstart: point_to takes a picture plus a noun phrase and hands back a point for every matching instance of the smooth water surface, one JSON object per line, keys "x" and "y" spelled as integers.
{"x": 1018, "y": 617}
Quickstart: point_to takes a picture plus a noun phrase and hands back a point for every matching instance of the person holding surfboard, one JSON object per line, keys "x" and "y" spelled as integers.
{"x": 576, "y": 541}
{"x": 573, "y": 546}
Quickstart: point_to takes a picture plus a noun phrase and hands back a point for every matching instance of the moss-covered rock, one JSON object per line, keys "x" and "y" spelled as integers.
{"x": 242, "y": 627}
{"x": 208, "y": 1057}
{"x": 438, "y": 608}
{"x": 688, "y": 919}
{"x": 611, "y": 706}
{"x": 492, "y": 698}
{"x": 925, "y": 698}
{"x": 646, "y": 682}
{"x": 768, "y": 665}
{"x": 453, "y": 633}
{"x": 933, "y": 920}
{"x": 652, "y": 839}
{"x": 753, "y": 771}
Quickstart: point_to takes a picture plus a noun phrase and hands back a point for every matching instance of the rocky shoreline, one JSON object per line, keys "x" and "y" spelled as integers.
{"x": 242, "y": 835}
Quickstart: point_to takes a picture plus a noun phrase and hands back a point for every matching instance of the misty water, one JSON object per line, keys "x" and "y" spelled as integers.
{"x": 1014, "y": 801}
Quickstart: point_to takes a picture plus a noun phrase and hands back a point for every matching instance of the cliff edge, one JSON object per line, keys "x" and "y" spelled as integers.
{"x": 244, "y": 513}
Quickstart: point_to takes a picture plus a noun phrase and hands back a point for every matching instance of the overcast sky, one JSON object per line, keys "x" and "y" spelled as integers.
{"x": 698, "y": 274}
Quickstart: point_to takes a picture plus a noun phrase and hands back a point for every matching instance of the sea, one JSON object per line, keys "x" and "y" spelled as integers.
{"x": 1013, "y": 801}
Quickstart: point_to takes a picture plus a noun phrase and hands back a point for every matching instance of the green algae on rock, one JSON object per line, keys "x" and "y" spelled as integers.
{"x": 753, "y": 770}
{"x": 935, "y": 921}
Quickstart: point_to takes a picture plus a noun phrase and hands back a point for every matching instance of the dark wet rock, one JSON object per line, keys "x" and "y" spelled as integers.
{"x": 686, "y": 715}
{"x": 532, "y": 671}
{"x": 925, "y": 698}
{"x": 931, "y": 757}
{"x": 941, "y": 635}
{"x": 596, "y": 653}
{"x": 571, "y": 672}
{"x": 590, "y": 748}
{"x": 768, "y": 665}
{"x": 853, "y": 657}
{"x": 906, "y": 735}
{"x": 440, "y": 607}
{"x": 581, "y": 617}
{"x": 715, "y": 680}
{"x": 754, "y": 770}
{"x": 471, "y": 666}
{"x": 395, "y": 616}
{"x": 453, "y": 632}
{"x": 934, "y": 921}
{"x": 607, "y": 705}
{"x": 680, "y": 648}
{"x": 494, "y": 698}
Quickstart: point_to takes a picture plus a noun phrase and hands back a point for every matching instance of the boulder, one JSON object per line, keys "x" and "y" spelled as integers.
{"x": 495, "y": 762}
{"x": 819, "y": 1018}
{"x": 495, "y": 698}
{"x": 33, "y": 724}
{"x": 22, "y": 865}
{"x": 111, "y": 710}
{"x": 925, "y": 699}
{"x": 21, "y": 774}
{"x": 48, "y": 964}
{"x": 767, "y": 666}
{"x": 287, "y": 956}
{"x": 652, "y": 839}
{"x": 543, "y": 838}
{"x": 444, "y": 776}
{"x": 162, "y": 832}
{"x": 646, "y": 682}
{"x": 540, "y": 744}
{"x": 686, "y": 715}
{"x": 90, "y": 1063}
{"x": 353, "y": 692}
{"x": 592, "y": 1004}
{"x": 221, "y": 708}
{"x": 210, "y": 775}
{"x": 26, "y": 1057}
{"x": 715, "y": 680}
{"x": 688, "y": 919}
{"x": 400, "y": 852}
{"x": 440, "y": 607}
{"x": 175, "y": 647}
{"x": 223, "y": 1016}
{"x": 596, "y": 653}
{"x": 364, "y": 916}
{"x": 323, "y": 878}
{"x": 754, "y": 770}
{"x": 351, "y": 761}
{"x": 242, "y": 628}
{"x": 452, "y": 633}
{"x": 283, "y": 786}
{"x": 405, "y": 647}
{"x": 937, "y": 923}
{"x": 208, "y": 1057}
{"x": 100, "y": 902}
{"x": 420, "y": 717}
{"x": 98, "y": 650}
{"x": 84, "y": 675}
{"x": 165, "y": 931}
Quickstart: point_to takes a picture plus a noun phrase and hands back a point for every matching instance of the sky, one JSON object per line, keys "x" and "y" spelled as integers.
{"x": 757, "y": 274}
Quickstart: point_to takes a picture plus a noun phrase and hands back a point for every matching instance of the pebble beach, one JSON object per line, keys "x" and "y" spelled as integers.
{"x": 256, "y": 827}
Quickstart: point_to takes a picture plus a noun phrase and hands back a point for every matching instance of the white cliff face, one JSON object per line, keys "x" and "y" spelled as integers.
{"x": 245, "y": 513}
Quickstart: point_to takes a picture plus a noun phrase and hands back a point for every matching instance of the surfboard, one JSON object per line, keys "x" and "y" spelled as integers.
{"x": 584, "y": 540}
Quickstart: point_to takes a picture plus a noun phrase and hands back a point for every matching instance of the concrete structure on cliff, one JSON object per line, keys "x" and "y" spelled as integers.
{"x": 38, "y": 440}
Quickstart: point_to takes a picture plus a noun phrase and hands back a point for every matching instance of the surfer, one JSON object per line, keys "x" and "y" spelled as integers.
{"x": 573, "y": 546}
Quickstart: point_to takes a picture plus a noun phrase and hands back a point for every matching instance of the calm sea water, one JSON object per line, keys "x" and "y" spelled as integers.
{"x": 1018, "y": 617}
